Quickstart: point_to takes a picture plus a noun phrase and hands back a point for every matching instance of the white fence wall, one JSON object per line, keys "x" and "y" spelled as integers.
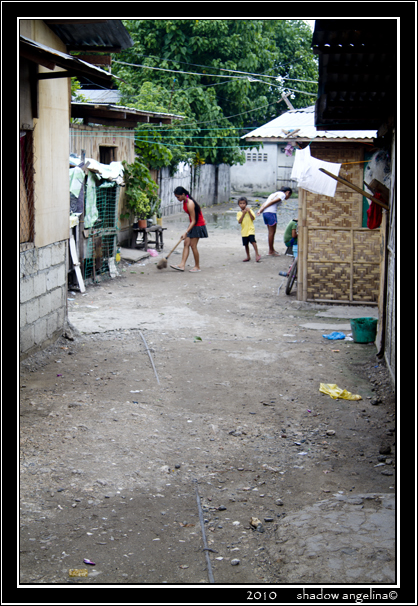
{"x": 208, "y": 184}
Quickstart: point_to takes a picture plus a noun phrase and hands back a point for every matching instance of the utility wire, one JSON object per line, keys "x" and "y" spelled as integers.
{"x": 177, "y": 71}
{"x": 224, "y": 69}
{"x": 245, "y": 77}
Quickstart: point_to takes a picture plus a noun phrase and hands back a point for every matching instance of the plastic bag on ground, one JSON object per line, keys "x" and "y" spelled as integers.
{"x": 335, "y": 336}
{"x": 331, "y": 389}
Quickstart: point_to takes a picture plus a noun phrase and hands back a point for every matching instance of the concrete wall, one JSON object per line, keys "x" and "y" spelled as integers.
{"x": 43, "y": 295}
{"x": 209, "y": 184}
{"x": 265, "y": 170}
{"x": 51, "y": 144}
{"x": 259, "y": 173}
{"x": 43, "y": 262}
{"x": 284, "y": 168}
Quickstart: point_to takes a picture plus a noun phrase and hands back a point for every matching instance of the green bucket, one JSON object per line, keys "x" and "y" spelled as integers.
{"x": 364, "y": 330}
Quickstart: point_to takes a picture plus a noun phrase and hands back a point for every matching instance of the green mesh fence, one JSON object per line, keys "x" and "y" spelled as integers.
{"x": 101, "y": 244}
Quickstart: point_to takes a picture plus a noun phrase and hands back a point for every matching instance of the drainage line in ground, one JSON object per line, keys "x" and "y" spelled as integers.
{"x": 150, "y": 357}
{"x": 202, "y": 525}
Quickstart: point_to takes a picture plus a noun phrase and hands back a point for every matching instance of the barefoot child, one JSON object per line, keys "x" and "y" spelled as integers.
{"x": 246, "y": 219}
{"x": 269, "y": 212}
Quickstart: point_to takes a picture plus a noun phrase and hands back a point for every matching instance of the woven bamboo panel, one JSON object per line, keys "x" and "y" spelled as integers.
{"x": 366, "y": 280}
{"x": 343, "y": 210}
{"x": 367, "y": 246}
{"x": 349, "y": 157}
{"x": 337, "y": 257}
{"x": 322, "y": 211}
{"x": 327, "y": 245}
{"x": 342, "y": 258}
{"x": 329, "y": 281}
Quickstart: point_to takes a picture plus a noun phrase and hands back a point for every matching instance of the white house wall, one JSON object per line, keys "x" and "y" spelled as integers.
{"x": 265, "y": 170}
{"x": 43, "y": 261}
{"x": 284, "y": 168}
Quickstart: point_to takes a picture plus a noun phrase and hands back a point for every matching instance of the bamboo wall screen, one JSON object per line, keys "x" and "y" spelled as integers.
{"x": 339, "y": 261}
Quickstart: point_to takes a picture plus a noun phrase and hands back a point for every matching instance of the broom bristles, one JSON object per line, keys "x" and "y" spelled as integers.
{"x": 162, "y": 264}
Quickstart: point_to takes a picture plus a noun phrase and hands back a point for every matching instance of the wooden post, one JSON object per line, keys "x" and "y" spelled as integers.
{"x": 351, "y": 266}
{"x": 301, "y": 245}
{"x": 357, "y": 189}
{"x": 305, "y": 252}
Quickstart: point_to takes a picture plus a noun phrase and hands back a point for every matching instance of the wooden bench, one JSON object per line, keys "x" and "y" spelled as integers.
{"x": 154, "y": 230}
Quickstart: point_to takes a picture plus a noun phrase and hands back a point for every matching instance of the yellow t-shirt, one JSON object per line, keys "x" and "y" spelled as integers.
{"x": 247, "y": 226}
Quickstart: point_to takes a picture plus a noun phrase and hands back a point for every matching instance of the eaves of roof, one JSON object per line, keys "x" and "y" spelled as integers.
{"x": 298, "y": 125}
{"x": 105, "y": 35}
{"x": 118, "y": 115}
{"x": 357, "y": 72}
{"x": 51, "y": 58}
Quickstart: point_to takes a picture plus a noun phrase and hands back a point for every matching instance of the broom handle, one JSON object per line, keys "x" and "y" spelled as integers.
{"x": 173, "y": 248}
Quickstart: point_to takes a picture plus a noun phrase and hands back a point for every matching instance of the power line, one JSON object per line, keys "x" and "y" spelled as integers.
{"x": 224, "y": 69}
{"x": 267, "y": 76}
{"x": 163, "y": 69}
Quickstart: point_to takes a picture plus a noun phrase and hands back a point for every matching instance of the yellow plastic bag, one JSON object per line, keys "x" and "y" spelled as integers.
{"x": 78, "y": 572}
{"x": 331, "y": 389}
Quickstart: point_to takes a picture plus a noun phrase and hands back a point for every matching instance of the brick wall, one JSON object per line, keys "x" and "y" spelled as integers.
{"x": 43, "y": 295}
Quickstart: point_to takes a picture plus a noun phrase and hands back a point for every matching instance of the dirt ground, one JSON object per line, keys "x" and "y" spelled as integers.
{"x": 118, "y": 461}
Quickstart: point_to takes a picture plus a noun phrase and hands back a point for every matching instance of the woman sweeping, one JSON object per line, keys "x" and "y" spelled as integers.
{"x": 195, "y": 231}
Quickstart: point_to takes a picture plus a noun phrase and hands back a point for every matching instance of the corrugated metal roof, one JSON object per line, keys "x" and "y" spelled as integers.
{"x": 100, "y": 95}
{"x": 51, "y": 57}
{"x": 303, "y": 121}
{"x": 120, "y": 108}
{"x": 91, "y": 34}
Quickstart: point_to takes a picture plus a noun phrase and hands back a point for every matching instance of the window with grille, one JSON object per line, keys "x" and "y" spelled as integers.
{"x": 256, "y": 157}
{"x": 26, "y": 188}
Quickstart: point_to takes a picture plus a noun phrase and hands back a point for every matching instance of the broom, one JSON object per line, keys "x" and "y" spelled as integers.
{"x": 162, "y": 263}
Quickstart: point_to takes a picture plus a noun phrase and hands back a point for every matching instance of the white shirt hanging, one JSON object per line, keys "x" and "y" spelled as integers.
{"x": 309, "y": 177}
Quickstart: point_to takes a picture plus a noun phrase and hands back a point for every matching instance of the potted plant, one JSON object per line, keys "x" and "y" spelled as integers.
{"x": 156, "y": 208}
{"x": 141, "y": 191}
{"x": 140, "y": 206}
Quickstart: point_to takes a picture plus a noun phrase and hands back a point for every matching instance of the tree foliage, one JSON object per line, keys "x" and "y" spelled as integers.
{"x": 217, "y": 110}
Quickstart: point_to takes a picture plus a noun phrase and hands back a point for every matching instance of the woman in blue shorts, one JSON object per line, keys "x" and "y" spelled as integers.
{"x": 269, "y": 212}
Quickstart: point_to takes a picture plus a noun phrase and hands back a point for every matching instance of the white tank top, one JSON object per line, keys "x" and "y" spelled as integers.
{"x": 273, "y": 207}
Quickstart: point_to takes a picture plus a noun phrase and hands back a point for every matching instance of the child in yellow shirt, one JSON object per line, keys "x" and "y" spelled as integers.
{"x": 246, "y": 219}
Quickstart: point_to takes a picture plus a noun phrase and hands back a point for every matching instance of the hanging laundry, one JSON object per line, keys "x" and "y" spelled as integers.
{"x": 301, "y": 163}
{"x": 76, "y": 180}
{"x": 77, "y": 176}
{"x": 374, "y": 213}
{"x": 91, "y": 212}
{"x": 306, "y": 172}
{"x": 289, "y": 149}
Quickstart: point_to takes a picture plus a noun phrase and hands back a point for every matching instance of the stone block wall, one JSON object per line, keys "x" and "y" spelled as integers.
{"x": 43, "y": 295}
